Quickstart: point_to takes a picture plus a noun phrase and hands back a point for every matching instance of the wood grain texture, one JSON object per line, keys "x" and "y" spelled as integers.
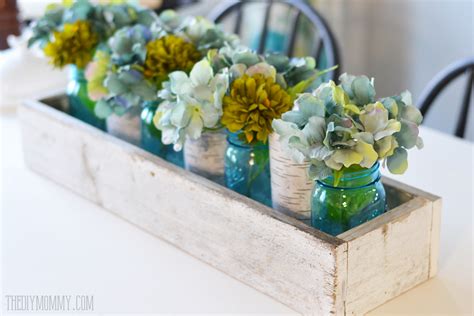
{"x": 258, "y": 246}
{"x": 304, "y": 268}
{"x": 389, "y": 259}
{"x": 436, "y": 204}
{"x": 435, "y": 237}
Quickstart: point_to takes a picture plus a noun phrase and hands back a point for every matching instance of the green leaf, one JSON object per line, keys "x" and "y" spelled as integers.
{"x": 337, "y": 175}
{"x": 300, "y": 87}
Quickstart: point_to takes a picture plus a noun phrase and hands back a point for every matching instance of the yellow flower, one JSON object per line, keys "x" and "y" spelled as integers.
{"x": 167, "y": 54}
{"x": 75, "y": 44}
{"x": 254, "y": 102}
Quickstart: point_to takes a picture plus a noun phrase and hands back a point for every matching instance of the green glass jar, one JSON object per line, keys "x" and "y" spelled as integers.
{"x": 358, "y": 197}
{"x": 247, "y": 169}
{"x": 151, "y": 137}
{"x": 80, "y": 105}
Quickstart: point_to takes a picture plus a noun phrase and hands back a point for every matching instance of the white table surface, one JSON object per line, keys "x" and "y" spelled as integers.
{"x": 55, "y": 242}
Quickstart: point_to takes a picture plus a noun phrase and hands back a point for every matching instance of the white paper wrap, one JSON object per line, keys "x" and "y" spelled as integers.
{"x": 291, "y": 189}
{"x": 205, "y": 156}
{"x": 126, "y": 127}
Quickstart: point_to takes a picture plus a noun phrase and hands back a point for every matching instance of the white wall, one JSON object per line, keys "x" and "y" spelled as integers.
{"x": 403, "y": 44}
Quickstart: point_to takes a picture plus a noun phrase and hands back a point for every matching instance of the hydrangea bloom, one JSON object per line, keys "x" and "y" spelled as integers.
{"x": 192, "y": 103}
{"x": 339, "y": 126}
{"x": 142, "y": 58}
{"x": 70, "y": 33}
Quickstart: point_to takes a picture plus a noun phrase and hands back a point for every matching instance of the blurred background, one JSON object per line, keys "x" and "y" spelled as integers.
{"x": 403, "y": 44}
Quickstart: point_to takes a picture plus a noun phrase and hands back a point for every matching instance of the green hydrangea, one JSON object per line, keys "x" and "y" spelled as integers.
{"x": 126, "y": 89}
{"x": 143, "y": 57}
{"x": 104, "y": 20}
{"x": 191, "y": 103}
{"x": 339, "y": 126}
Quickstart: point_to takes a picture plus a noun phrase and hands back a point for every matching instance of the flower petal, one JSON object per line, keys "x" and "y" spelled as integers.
{"x": 201, "y": 73}
{"x": 195, "y": 126}
{"x": 180, "y": 83}
{"x": 398, "y": 162}
{"x": 181, "y": 115}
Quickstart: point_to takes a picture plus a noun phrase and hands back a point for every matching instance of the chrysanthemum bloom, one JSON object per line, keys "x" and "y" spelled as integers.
{"x": 75, "y": 44}
{"x": 168, "y": 54}
{"x": 254, "y": 102}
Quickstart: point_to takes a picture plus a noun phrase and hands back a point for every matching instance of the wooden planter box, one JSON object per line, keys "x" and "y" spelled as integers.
{"x": 304, "y": 268}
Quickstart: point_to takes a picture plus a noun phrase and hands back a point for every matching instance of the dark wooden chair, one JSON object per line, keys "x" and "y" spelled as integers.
{"x": 8, "y": 21}
{"x": 325, "y": 52}
{"x": 441, "y": 81}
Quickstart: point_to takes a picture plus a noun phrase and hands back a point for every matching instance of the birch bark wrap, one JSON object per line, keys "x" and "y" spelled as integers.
{"x": 205, "y": 156}
{"x": 291, "y": 189}
{"x": 126, "y": 127}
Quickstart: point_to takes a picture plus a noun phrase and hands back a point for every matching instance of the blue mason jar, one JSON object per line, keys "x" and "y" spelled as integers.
{"x": 151, "y": 137}
{"x": 247, "y": 169}
{"x": 80, "y": 105}
{"x": 358, "y": 197}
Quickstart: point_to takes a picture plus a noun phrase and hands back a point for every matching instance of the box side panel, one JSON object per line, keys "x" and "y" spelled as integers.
{"x": 390, "y": 259}
{"x": 215, "y": 225}
{"x": 435, "y": 237}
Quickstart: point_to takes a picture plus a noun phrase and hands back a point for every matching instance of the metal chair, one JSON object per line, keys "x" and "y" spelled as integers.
{"x": 325, "y": 50}
{"x": 441, "y": 81}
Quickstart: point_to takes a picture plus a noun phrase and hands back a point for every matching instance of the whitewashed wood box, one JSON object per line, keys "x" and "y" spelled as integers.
{"x": 305, "y": 269}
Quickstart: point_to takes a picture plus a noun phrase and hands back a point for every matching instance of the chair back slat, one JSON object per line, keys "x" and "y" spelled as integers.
{"x": 264, "y": 32}
{"x": 441, "y": 81}
{"x": 464, "y": 114}
{"x": 238, "y": 20}
{"x": 290, "y": 48}
{"x": 319, "y": 50}
{"x": 322, "y": 32}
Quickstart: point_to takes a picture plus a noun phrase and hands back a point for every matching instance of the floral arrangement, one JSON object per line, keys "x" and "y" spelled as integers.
{"x": 70, "y": 33}
{"x": 337, "y": 127}
{"x": 191, "y": 103}
{"x": 139, "y": 59}
{"x": 235, "y": 89}
{"x": 115, "y": 77}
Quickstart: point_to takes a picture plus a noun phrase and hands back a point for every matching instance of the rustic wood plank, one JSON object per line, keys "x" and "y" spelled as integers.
{"x": 392, "y": 215}
{"x": 435, "y": 237}
{"x": 274, "y": 253}
{"x": 436, "y": 219}
{"x": 389, "y": 259}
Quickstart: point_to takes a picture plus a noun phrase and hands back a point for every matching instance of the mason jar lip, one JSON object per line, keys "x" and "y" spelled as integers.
{"x": 354, "y": 176}
{"x": 76, "y": 73}
{"x": 232, "y": 138}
